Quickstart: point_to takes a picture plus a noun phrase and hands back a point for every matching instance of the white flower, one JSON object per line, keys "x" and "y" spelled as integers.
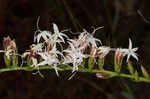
{"x": 49, "y": 59}
{"x": 34, "y": 61}
{"x": 55, "y": 52}
{"x": 57, "y": 34}
{"x": 103, "y": 51}
{"x": 52, "y": 42}
{"x": 32, "y": 56}
{"x": 43, "y": 34}
{"x": 131, "y": 51}
{"x": 75, "y": 56}
{"x": 88, "y": 38}
{"x": 92, "y": 40}
{"x": 32, "y": 53}
{"x": 84, "y": 40}
{"x": 77, "y": 44}
{"x": 37, "y": 47}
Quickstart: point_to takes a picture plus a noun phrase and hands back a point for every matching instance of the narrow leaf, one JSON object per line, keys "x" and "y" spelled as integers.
{"x": 83, "y": 63}
{"x": 91, "y": 63}
{"x": 136, "y": 75}
{"x": 101, "y": 63}
{"x": 29, "y": 61}
{"x": 145, "y": 74}
{"x": 7, "y": 61}
{"x": 15, "y": 60}
{"x": 130, "y": 68}
{"x": 117, "y": 67}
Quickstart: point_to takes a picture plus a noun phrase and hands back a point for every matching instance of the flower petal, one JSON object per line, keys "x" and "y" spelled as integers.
{"x": 130, "y": 44}
{"x": 55, "y": 27}
{"x": 135, "y": 56}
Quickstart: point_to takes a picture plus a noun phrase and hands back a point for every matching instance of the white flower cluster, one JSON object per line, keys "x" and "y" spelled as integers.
{"x": 47, "y": 43}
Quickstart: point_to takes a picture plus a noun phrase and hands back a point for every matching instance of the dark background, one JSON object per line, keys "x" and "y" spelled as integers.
{"x": 122, "y": 19}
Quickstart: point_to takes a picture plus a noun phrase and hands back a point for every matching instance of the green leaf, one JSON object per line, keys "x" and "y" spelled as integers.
{"x": 117, "y": 67}
{"x": 136, "y": 75}
{"x": 29, "y": 61}
{"x": 15, "y": 60}
{"x": 91, "y": 62}
{"x": 7, "y": 61}
{"x": 145, "y": 74}
{"x": 101, "y": 63}
{"x": 130, "y": 68}
{"x": 83, "y": 62}
{"x": 118, "y": 64}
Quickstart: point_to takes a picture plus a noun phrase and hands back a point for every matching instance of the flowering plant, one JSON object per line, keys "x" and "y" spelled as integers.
{"x": 45, "y": 54}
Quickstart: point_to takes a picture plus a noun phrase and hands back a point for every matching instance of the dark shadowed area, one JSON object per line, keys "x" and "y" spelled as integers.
{"x": 122, "y": 19}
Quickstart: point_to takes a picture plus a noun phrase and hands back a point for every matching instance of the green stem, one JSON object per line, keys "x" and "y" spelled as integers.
{"x": 69, "y": 68}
